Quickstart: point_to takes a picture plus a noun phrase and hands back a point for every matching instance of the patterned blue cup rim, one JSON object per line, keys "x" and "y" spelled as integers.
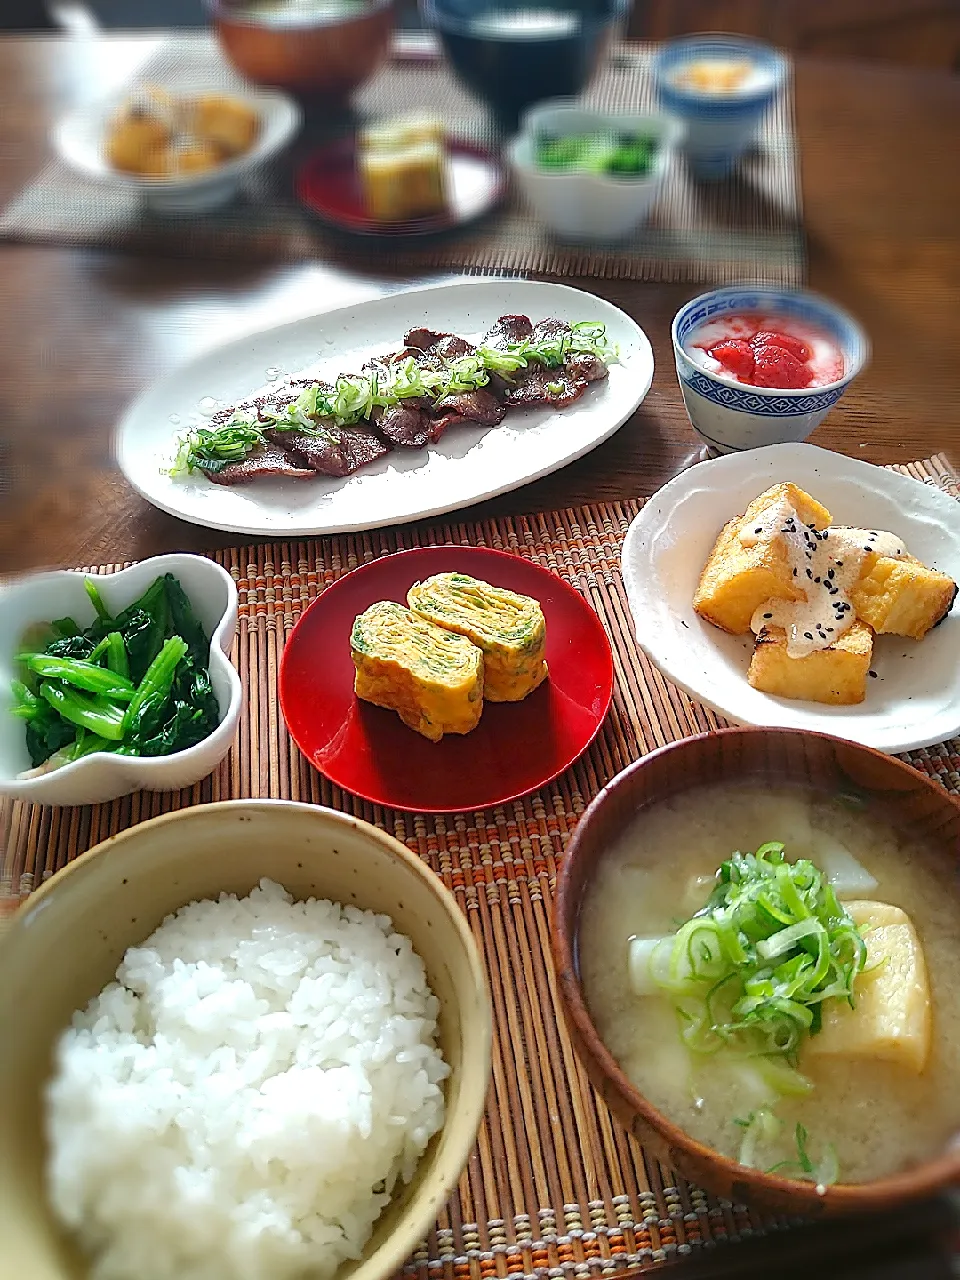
{"x": 800, "y": 304}
{"x": 674, "y": 53}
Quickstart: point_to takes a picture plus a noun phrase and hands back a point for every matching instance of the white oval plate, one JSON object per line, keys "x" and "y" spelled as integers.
{"x": 468, "y": 465}
{"x": 915, "y": 700}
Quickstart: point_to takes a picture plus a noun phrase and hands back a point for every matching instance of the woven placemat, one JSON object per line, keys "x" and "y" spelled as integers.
{"x": 555, "y": 1187}
{"x": 745, "y": 227}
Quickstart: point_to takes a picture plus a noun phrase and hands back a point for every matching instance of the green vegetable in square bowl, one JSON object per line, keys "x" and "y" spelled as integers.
{"x": 592, "y": 175}
{"x": 117, "y": 682}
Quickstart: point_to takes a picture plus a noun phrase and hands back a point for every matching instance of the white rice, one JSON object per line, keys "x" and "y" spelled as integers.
{"x": 241, "y": 1102}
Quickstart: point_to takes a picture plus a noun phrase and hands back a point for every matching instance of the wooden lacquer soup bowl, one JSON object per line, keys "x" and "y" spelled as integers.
{"x": 321, "y": 56}
{"x": 778, "y": 757}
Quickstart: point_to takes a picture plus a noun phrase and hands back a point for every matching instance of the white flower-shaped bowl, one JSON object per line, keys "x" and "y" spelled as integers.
{"x": 79, "y": 140}
{"x": 101, "y": 776}
{"x": 590, "y": 206}
{"x": 915, "y": 698}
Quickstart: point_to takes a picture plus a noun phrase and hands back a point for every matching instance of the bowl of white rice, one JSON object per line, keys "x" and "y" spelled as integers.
{"x": 242, "y": 1041}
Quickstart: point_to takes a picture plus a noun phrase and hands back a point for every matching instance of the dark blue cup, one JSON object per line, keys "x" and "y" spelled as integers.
{"x": 515, "y": 53}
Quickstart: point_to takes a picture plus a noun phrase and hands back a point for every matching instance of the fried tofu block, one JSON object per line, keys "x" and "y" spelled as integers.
{"x": 742, "y": 573}
{"x": 508, "y": 627}
{"x": 836, "y": 675}
{"x": 902, "y": 597}
{"x": 893, "y": 1017}
{"x": 432, "y": 678}
{"x": 225, "y": 123}
{"x": 135, "y": 140}
{"x": 196, "y": 157}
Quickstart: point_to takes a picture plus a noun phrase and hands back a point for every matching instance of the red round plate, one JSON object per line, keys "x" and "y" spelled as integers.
{"x": 328, "y": 185}
{"x": 517, "y": 746}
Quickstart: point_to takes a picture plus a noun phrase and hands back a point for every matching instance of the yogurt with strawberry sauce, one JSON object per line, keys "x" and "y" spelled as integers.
{"x": 766, "y": 351}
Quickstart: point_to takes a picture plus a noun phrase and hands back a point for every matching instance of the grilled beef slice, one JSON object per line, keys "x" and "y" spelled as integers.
{"x": 266, "y": 460}
{"x": 508, "y": 329}
{"x": 448, "y": 346}
{"x": 475, "y": 406}
{"x": 402, "y": 425}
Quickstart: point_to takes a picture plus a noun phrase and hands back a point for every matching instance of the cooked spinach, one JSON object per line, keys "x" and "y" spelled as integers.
{"x": 136, "y": 683}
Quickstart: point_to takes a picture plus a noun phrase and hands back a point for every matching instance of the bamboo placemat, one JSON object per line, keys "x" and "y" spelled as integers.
{"x": 555, "y": 1187}
{"x": 745, "y": 227}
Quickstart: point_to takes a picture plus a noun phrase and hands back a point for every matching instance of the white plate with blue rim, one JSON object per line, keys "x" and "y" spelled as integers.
{"x": 468, "y": 464}
{"x": 913, "y": 699}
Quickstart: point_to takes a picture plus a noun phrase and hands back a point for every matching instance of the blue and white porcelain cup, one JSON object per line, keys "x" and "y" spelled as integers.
{"x": 732, "y": 416}
{"x": 719, "y": 126}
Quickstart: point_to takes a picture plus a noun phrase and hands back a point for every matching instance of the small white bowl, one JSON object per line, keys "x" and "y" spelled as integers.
{"x": 78, "y": 139}
{"x": 731, "y": 416}
{"x": 590, "y": 206}
{"x": 914, "y": 700}
{"x": 101, "y": 776}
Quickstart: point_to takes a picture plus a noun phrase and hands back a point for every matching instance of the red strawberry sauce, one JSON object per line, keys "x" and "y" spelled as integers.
{"x": 767, "y": 351}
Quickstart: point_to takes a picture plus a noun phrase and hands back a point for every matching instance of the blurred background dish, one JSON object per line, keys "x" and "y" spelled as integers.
{"x": 514, "y": 53}
{"x": 97, "y": 138}
{"x": 731, "y": 415}
{"x": 720, "y": 87}
{"x": 592, "y": 175}
{"x": 329, "y": 185}
{"x": 316, "y": 48}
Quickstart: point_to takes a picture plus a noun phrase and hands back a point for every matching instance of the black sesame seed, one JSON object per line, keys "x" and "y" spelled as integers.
{"x": 808, "y": 635}
{"x": 768, "y": 615}
{"x": 839, "y": 564}
{"x": 873, "y": 674}
{"x": 816, "y": 579}
{"x": 830, "y": 629}
{"x": 830, "y": 573}
{"x": 809, "y": 573}
{"x": 794, "y": 573}
{"x": 758, "y": 529}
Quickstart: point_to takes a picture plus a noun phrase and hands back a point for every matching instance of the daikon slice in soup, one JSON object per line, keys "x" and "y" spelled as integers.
{"x": 797, "y": 1006}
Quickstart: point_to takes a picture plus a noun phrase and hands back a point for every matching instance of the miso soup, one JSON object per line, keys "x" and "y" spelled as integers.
{"x": 847, "y": 1106}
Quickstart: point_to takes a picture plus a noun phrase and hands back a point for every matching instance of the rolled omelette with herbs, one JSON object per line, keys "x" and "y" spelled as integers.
{"x": 509, "y": 628}
{"x": 432, "y": 678}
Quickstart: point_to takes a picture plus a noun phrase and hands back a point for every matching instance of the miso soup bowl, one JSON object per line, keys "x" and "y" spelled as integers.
{"x": 775, "y": 757}
{"x": 315, "y": 55}
{"x": 731, "y": 416}
{"x": 63, "y": 945}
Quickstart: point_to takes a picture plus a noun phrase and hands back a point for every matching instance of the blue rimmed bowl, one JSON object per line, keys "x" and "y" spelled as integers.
{"x": 719, "y": 126}
{"x": 731, "y": 416}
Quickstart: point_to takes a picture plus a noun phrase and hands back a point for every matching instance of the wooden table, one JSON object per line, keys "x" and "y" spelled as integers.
{"x": 81, "y": 332}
